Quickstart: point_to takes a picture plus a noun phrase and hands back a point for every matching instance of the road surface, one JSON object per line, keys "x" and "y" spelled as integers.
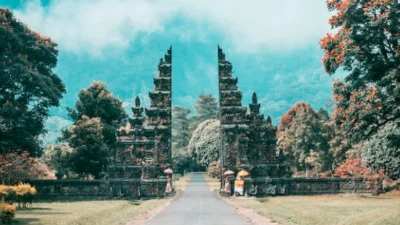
{"x": 198, "y": 206}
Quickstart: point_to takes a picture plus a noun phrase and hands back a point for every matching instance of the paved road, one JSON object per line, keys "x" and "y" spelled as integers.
{"x": 198, "y": 206}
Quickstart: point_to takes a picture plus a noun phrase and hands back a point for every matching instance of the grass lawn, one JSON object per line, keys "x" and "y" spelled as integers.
{"x": 91, "y": 212}
{"x": 85, "y": 212}
{"x": 325, "y": 209}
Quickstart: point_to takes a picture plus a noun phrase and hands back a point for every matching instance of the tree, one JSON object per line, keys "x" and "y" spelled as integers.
{"x": 205, "y": 144}
{"x": 19, "y": 166}
{"x": 56, "y": 157}
{"x": 98, "y": 102}
{"x": 182, "y": 161}
{"x": 366, "y": 45}
{"x": 206, "y": 107}
{"x": 314, "y": 160}
{"x": 89, "y": 153}
{"x": 338, "y": 144}
{"x": 302, "y": 130}
{"x": 28, "y": 85}
{"x": 180, "y": 126}
{"x": 382, "y": 150}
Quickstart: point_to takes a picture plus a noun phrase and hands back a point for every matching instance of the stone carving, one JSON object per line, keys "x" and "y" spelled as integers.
{"x": 248, "y": 140}
{"x": 146, "y": 142}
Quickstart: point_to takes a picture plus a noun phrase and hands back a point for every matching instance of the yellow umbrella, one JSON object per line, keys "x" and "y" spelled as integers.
{"x": 243, "y": 173}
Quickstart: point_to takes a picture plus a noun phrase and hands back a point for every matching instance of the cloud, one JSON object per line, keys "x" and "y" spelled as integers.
{"x": 186, "y": 101}
{"x": 54, "y": 126}
{"x": 95, "y": 26}
{"x": 143, "y": 93}
{"x": 251, "y": 25}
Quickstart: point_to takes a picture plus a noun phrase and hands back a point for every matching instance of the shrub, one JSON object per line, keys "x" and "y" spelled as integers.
{"x": 213, "y": 169}
{"x": 7, "y": 212}
{"x": 21, "y": 193}
{"x": 353, "y": 168}
{"x": 7, "y": 193}
{"x": 25, "y": 193}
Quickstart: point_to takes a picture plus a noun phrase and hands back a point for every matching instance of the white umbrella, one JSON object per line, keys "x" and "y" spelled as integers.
{"x": 168, "y": 171}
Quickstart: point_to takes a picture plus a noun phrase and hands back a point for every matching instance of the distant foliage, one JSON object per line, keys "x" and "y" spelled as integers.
{"x": 205, "y": 144}
{"x": 90, "y": 152}
{"x": 28, "y": 85}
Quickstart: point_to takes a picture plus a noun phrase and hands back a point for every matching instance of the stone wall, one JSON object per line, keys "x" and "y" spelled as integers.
{"x": 98, "y": 189}
{"x": 308, "y": 186}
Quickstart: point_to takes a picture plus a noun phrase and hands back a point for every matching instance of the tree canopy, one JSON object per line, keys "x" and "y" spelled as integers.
{"x": 366, "y": 45}
{"x": 97, "y": 101}
{"x": 205, "y": 144}
{"x": 206, "y": 107}
{"x": 28, "y": 85}
{"x": 180, "y": 126}
{"x": 90, "y": 152}
{"x": 304, "y": 138}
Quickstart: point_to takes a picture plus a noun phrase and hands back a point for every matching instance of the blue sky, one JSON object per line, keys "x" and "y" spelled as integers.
{"x": 273, "y": 46}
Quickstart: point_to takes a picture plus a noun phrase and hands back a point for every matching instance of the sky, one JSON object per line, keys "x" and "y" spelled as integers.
{"x": 273, "y": 46}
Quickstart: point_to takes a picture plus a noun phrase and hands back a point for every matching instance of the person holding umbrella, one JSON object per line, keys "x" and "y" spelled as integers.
{"x": 168, "y": 188}
{"x": 239, "y": 182}
{"x": 227, "y": 175}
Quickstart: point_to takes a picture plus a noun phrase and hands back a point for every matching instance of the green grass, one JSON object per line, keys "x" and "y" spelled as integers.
{"x": 85, "y": 212}
{"x": 325, "y": 209}
{"x": 92, "y": 212}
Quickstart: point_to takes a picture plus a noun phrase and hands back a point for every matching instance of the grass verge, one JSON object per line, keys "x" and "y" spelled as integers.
{"x": 95, "y": 212}
{"x": 353, "y": 209}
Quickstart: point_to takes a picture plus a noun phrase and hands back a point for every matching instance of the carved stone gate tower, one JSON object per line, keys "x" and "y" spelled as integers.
{"x": 248, "y": 140}
{"x": 144, "y": 143}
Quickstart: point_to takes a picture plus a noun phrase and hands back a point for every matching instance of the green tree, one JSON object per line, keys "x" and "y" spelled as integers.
{"x": 366, "y": 46}
{"x": 205, "y": 144}
{"x": 98, "y": 102}
{"x": 56, "y": 157}
{"x": 28, "y": 85}
{"x": 89, "y": 153}
{"x": 180, "y": 126}
{"x": 182, "y": 161}
{"x": 206, "y": 107}
{"x": 301, "y": 132}
{"x": 382, "y": 150}
{"x": 338, "y": 144}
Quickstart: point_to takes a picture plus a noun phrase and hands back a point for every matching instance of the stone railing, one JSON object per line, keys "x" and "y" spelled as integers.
{"x": 99, "y": 189}
{"x": 309, "y": 186}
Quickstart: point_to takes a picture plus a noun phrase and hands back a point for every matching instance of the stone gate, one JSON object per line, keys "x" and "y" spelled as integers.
{"x": 143, "y": 149}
